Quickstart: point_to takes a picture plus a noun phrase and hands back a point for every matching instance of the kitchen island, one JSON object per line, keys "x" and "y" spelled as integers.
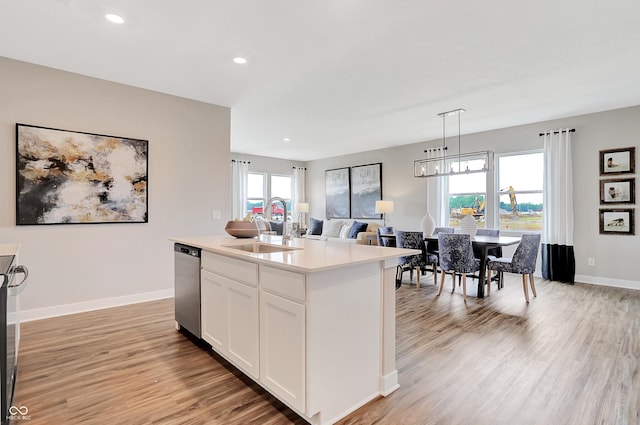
{"x": 313, "y": 322}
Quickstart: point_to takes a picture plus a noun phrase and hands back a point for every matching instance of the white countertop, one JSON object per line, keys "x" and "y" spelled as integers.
{"x": 312, "y": 255}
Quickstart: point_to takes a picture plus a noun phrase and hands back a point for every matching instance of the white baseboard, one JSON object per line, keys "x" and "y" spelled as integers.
{"x": 63, "y": 310}
{"x": 603, "y": 281}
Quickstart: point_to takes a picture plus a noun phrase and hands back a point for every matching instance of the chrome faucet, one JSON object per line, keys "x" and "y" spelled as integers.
{"x": 285, "y": 231}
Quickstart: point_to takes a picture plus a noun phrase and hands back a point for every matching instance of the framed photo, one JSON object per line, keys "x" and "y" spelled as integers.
{"x": 69, "y": 177}
{"x": 617, "y": 191}
{"x": 337, "y": 200}
{"x": 618, "y": 161}
{"x": 617, "y": 222}
{"x": 366, "y": 189}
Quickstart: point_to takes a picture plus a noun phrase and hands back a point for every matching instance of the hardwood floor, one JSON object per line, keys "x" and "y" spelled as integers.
{"x": 569, "y": 357}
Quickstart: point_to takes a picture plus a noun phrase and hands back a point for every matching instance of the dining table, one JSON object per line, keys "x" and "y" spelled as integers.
{"x": 483, "y": 244}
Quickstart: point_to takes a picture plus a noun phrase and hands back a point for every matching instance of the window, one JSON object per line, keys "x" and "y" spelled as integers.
{"x": 255, "y": 193}
{"x": 520, "y": 191}
{"x": 258, "y": 193}
{"x": 281, "y": 186}
{"x": 467, "y": 195}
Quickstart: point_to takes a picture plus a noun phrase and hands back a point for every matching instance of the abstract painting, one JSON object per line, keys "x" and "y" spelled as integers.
{"x": 68, "y": 177}
{"x": 366, "y": 189}
{"x": 337, "y": 193}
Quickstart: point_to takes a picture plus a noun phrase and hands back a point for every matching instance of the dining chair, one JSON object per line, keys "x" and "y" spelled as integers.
{"x": 456, "y": 256}
{"x": 432, "y": 246}
{"x": 493, "y": 253}
{"x": 419, "y": 262}
{"x": 388, "y": 230}
{"x": 523, "y": 262}
{"x": 497, "y": 251}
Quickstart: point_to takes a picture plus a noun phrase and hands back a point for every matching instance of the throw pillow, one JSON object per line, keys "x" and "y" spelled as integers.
{"x": 331, "y": 229}
{"x": 315, "y": 227}
{"x": 276, "y": 226}
{"x": 356, "y": 228}
{"x": 345, "y": 230}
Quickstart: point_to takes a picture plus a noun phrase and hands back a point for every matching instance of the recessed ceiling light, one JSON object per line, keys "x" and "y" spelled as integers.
{"x": 240, "y": 60}
{"x": 286, "y": 139}
{"x": 116, "y": 19}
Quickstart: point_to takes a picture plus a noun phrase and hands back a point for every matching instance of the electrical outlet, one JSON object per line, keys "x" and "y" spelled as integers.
{"x": 216, "y": 215}
{"x": 591, "y": 261}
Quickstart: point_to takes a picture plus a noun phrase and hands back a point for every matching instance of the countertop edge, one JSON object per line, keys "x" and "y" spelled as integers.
{"x": 213, "y": 244}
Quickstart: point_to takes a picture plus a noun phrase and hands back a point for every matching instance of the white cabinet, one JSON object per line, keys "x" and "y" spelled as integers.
{"x": 243, "y": 327}
{"x": 213, "y": 302}
{"x": 282, "y": 348}
{"x": 230, "y": 315}
{"x": 314, "y": 340}
{"x": 283, "y": 334}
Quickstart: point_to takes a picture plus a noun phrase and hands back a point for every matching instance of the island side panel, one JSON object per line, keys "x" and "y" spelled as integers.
{"x": 389, "y": 378}
{"x": 344, "y": 340}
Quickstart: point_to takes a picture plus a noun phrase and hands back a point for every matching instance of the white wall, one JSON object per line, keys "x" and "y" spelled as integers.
{"x": 76, "y": 267}
{"x": 594, "y": 132}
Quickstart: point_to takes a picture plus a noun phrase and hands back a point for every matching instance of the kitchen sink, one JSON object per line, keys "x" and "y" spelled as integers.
{"x": 261, "y": 248}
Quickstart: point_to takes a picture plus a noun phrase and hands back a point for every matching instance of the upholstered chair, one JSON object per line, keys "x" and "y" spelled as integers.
{"x": 385, "y": 241}
{"x": 493, "y": 253}
{"x": 419, "y": 262}
{"x": 432, "y": 246}
{"x": 523, "y": 262}
{"x": 456, "y": 256}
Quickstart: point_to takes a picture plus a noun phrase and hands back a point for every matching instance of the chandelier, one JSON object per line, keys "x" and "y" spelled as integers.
{"x": 439, "y": 164}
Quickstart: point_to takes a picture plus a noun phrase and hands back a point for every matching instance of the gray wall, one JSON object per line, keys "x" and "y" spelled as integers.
{"x": 594, "y": 132}
{"x": 265, "y": 164}
{"x": 78, "y": 267}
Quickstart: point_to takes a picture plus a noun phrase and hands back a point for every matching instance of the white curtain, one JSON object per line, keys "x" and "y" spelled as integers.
{"x": 239, "y": 179}
{"x": 437, "y": 203}
{"x": 299, "y": 189}
{"x": 558, "y": 260}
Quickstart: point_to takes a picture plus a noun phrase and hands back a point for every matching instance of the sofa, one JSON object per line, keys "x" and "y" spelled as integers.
{"x": 346, "y": 231}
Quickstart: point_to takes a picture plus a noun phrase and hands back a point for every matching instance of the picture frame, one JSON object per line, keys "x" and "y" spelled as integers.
{"x": 617, "y": 221}
{"x": 617, "y": 161}
{"x": 71, "y": 177}
{"x": 366, "y": 189}
{"x": 337, "y": 193}
{"x": 617, "y": 191}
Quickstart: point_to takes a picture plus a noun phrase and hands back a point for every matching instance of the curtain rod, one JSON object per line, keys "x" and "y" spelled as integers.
{"x": 572, "y": 130}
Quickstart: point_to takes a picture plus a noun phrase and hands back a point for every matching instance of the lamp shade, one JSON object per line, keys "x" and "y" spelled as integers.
{"x": 303, "y": 207}
{"x": 384, "y": 207}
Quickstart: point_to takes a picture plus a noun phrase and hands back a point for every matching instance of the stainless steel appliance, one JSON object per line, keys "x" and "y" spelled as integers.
{"x": 9, "y": 330}
{"x": 187, "y": 288}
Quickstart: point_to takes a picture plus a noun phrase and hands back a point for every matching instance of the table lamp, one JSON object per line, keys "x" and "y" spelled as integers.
{"x": 302, "y": 208}
{"x": 384, "y": 207}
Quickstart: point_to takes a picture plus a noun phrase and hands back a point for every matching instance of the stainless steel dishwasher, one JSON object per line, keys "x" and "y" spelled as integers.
{"x": 187, "y": 288}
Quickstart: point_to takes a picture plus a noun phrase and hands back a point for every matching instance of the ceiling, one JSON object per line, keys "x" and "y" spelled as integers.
{"x": 344, "y": 76}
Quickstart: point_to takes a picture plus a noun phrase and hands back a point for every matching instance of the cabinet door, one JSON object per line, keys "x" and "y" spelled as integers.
{"x": 282, "y": 348}
{"x": 214, "y": 310}
{"x": 243, "y": 328}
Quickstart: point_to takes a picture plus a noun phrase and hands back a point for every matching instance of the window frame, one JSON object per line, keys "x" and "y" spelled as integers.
{"x": 288, "y": 201}
{"x": 498, "y": 193}
{"x": 264, "y": 191}
{"x": 448, "y": 194}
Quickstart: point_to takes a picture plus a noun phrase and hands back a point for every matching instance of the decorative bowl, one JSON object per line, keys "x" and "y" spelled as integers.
{"x": 241, "y": 229}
